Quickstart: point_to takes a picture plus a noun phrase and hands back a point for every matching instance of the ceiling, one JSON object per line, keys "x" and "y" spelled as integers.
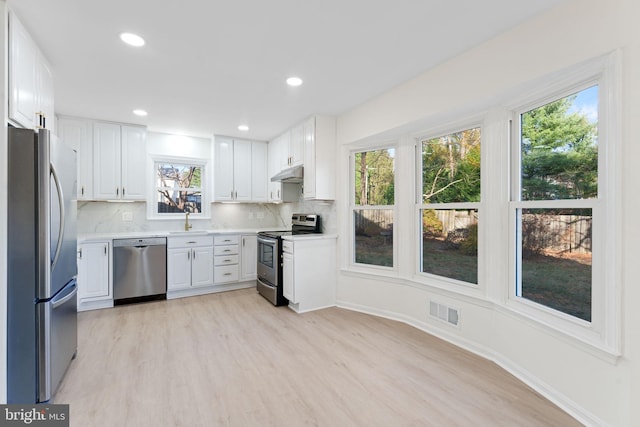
{"x": 211, "y": 65}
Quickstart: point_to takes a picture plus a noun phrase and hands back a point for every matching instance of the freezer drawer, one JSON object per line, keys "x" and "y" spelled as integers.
{"x": 57, "y": 338}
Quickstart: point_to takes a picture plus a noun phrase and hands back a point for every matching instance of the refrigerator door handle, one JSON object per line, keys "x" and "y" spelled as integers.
{"x": 58, "y": 300}
{"x": 56, "y": 180}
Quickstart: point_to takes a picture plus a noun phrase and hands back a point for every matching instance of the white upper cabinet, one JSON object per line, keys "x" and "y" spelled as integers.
{"x": 242, "y": 170}
{"x": 76, "y": 133}
{"x": 30, "y": 80}
{"x": 134, "y": 153}
{"x": 237, "y": 165}
{"x": 119, "y": 162}
{"x": 319, "y": 158}
{"x": 296, "y": 146}
{"x": 273, "y": 167}
{"x": 259, "y": 172}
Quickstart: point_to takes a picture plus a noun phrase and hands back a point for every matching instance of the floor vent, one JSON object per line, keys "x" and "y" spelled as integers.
{"x": 444, "y": 313}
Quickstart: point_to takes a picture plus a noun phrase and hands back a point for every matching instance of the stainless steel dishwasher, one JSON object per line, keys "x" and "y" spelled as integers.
{"x": 139, "y": 269}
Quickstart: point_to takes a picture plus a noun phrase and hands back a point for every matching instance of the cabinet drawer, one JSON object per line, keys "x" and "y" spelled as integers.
{"x": 226, "y": 273}
{"x": 226, "y": 260}
{"x": 189, "y": 241}
{"x": 226, "y": 250}
{"x": 227, "y": 240}
{"x": 287, "y": 246}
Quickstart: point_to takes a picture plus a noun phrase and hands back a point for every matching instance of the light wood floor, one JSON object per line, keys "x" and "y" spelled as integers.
{"x": 232, "y": 359}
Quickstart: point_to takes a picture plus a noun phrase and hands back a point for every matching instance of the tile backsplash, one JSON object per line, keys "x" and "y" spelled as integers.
{"x": 107, "y": 217}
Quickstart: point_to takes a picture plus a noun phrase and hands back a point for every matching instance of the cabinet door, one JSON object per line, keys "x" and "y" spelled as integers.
{"x": 93, "y": 271}
{"x": 285, "y": 157}
{"x": 288, "y": 289}
{"x": 296, "y": 148}
{"x": 44, "y": 93}
{"x": 76, "y": 133}
{"x": 134, "y": 161}
{"x": 249, "y": 259}
{"x": 202, "y": 266}
{"x": 223, "y": 170}
{"x": 259, "y": 179}
{"x": 22, "y": 78}
{"x": 309, "y": 135}
{"x": 106, "y": 161}
{"x": 178, "y": 268}
{"x": 242, "y": 170}
{"x": 273, "y": 158}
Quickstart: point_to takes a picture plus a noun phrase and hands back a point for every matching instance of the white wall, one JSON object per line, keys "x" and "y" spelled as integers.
{"x": 598, "y": 389}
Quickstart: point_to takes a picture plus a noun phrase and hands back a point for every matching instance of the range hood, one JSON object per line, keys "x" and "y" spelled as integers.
{"x": 294, "y": 175}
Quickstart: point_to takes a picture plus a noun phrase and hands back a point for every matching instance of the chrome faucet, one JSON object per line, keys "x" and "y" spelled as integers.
{"x": 187, "y": 226}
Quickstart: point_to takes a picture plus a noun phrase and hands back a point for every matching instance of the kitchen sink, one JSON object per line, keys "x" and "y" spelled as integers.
{"x": 188, "y": 233}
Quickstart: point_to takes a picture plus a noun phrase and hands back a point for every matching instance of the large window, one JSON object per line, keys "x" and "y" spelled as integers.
{"x": 178, "y": 187}
{"x": 373, "y": 207}
{"x": 555, "y": 199}
{"x": 450, "y": 196}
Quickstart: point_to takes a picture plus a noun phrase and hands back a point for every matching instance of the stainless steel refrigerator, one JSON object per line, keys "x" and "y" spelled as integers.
{"x": 42, "y": 268}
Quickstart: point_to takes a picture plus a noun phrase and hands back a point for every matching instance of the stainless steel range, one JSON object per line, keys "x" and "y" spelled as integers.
{"x": 270, "y": 255}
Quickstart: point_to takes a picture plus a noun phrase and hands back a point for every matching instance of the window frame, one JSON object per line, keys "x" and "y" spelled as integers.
{"x": 603, "y": 331}
{"x": 353, "y": 208}
{"x": 204, "y": 164}
{"x": 431, "y": 278}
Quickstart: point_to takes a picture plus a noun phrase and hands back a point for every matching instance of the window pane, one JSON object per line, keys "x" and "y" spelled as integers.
{"x": 374, "y": 178}
{"x": 556, "y": 259}
{"x": 172, "y": 201}
{"x": 451, "y": 168}
{"x": 179, "y": 175}
{"x": 374, "y": 236}
{"x": 450, "y": 243}
{"x": 559, "y": 147}
{"x": 179, "y": 188}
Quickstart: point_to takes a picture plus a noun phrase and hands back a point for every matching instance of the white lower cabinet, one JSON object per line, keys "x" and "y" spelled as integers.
{"x": 226, "y": 259}
{"x": 249, "y": 259}
{"x": 94, "y": 284}
{"x": 309, "y": 272}
{"x": 189, "y": 262}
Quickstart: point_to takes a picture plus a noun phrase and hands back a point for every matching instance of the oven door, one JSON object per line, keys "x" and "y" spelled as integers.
{"x": 268, "y": 260}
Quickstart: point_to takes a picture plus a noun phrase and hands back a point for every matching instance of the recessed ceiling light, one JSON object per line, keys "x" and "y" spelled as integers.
{"x": 243, "y": 128}
{"x": 294, "y": 81}
{"x": 141, "y": 113}
{"x": 132, "y": 39}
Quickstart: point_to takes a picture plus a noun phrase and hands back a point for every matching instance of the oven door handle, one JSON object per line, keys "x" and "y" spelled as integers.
{"x": 267, "y": 240}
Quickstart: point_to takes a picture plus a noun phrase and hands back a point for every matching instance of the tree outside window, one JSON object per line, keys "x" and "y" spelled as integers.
{"x": 558, "y": 187}
{"x": 450, "y": 195}
{"x": 178, "y": 188}
{"x": 373, "y": 207}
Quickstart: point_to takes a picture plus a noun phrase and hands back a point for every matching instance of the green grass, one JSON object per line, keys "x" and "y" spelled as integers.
{"x": 559, "y": 283}
{"x": 374, "y": 250}
{"x": 563, "y": 284}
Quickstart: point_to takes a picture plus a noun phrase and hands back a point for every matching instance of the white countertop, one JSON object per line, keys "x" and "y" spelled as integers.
{"x": 85, "y": 237}
{"x": 311, "y": 236}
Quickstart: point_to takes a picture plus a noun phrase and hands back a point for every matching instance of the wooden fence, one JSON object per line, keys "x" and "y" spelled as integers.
{"x": 558, "y": 233}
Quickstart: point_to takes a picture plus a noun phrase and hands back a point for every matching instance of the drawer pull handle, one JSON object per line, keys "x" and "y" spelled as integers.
{"x": 227, "y": 274}
{"x": 191, "y": 243}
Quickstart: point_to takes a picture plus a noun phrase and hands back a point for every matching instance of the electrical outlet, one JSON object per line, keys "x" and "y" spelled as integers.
{"x": 260, "y": 215}
{"x": 127, "y": 216}
{"x": 250, "y": 215}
